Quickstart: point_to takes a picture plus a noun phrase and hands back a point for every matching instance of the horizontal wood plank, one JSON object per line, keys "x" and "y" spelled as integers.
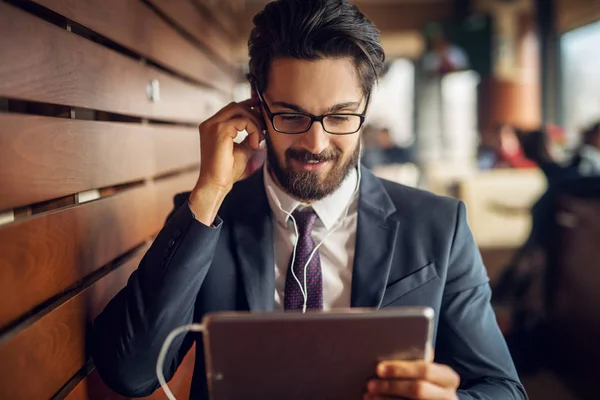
{"x": 222, "y": 13}
{"x": 173, "y": 185}
{"x": 42, "y": 158}
{"x": 53, "y": 349}
{"x": 93, "y": 388}
{"x": 573, "y": 14}
{"x": 44, "y": 255}
{"x": 48, "y": 64}
{"x": 135, "y": 26}
{"x": 198, "y": 26}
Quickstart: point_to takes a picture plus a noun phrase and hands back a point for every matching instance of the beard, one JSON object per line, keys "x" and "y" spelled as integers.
{"x": 308, "y": 186}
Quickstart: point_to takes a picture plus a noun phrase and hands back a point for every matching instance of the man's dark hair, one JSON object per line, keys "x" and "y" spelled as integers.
{"x": 312, "y": 30}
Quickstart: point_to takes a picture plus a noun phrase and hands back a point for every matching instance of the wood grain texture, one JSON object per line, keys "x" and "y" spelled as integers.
{"x": 44, "y": 255}
{"x": 572, "y": 14}
{"x": 198, "y": 26}
{"x": 49, "y": 64}
{"x": 42, "y": 158}
{"x": 93, "y": 388}
{"x": 223, "y": 13}
{"x": 135, "y": 26}
{"x": 53, "y": 349}
{"x": 171, "y": 186}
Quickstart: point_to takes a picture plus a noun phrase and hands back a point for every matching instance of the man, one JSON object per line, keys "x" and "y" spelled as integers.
{"x": 227, "y": 245}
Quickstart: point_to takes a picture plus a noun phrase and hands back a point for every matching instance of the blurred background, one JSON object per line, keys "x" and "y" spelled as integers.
{"x": 495, "y": 102}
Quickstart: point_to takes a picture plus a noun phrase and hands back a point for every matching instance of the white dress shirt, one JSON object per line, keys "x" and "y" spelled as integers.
{"x": 336, "y": 252}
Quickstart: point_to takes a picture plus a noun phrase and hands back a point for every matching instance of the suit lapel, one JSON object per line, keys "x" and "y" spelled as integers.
{"x": 376, "y": 238}
{"x": 253, "y": 235}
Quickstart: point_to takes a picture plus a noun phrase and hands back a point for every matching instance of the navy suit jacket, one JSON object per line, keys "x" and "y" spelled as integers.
{"x": 412, "y": 249}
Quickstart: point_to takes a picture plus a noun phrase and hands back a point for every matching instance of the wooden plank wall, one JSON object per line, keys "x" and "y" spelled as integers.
{"x": 99, "y": 106}
{"x": 573, "y": 14}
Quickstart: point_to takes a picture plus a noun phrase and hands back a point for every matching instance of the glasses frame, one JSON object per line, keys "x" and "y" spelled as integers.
{"x": 313, "y": 118}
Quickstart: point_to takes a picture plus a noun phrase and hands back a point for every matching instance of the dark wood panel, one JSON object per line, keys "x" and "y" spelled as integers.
{"x": 135, "y": 26}
{"x": 37, "y": 362}
{"x": 48, "y": 64}
{"x": 175, "y": 148}
{"x": 572, "y": 14}
{"x": 42, "y": 158}
{"x": 171, "y": 186}
{"x": 42, "y": 256}
{"x": 93, "y": 388}
{"x": 197, "y": 25}
{"x": 223, "y": 13}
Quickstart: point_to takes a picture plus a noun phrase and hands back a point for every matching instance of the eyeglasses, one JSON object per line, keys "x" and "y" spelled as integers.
{"x": 293, "y": 123}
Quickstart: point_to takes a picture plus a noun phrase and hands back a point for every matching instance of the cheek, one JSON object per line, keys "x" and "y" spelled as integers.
{"x": 280, "y": 142}
{"x": 346, "y": 144}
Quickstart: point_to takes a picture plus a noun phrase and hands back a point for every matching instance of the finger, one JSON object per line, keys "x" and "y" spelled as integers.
{"x": 236, "y": 110}
{"x": 232, "y": 127}
{"x": 437, "y": 374}
{"x": 250, "y": 102}
{"x": 240, "y": 112}
{"x": 410, "y": 389}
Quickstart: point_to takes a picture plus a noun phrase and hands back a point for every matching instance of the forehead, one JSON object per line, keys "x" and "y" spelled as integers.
{"x": 313, "y": 85}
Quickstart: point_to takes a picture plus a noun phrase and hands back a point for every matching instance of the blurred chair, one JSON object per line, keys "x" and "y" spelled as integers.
{"x": 573, "y": 284}
{"x": 499, "y": 205}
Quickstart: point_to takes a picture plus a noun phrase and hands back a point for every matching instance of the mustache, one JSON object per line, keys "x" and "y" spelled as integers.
{"x": 306, "y": 156}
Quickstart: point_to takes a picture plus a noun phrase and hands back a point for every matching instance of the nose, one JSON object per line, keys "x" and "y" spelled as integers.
{"x": 315, "y": 140}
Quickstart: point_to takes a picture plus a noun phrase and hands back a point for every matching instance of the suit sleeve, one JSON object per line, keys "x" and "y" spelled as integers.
{"x": 469, "y": 339}
{"x": 159, "y": 297}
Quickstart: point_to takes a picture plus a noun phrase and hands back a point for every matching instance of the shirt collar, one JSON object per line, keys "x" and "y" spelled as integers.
{"x": 328, "y": 209}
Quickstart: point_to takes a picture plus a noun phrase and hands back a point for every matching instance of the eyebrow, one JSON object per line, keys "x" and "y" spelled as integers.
{"x": 351, "y": 105}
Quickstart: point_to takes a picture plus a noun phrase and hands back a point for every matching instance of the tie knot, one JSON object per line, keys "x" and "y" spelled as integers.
{"x": 305, "y": 220}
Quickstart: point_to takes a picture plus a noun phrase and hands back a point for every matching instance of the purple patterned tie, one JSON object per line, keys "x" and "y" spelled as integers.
{"x": 293, "y": 299}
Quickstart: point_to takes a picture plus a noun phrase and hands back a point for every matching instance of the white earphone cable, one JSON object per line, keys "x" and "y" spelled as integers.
{"x": 304, "y": 288}
{"x": 165, "y": 349}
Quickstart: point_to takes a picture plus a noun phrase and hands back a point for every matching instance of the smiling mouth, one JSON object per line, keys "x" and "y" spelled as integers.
{"x": 312, "y": 165}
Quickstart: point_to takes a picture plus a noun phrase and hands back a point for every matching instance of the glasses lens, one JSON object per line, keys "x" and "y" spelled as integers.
{"x": 342, "y": 123}
{"x": 291, "y": 123}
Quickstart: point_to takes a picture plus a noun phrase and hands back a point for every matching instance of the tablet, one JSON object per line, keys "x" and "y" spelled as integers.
{"x": 317, "y": 355}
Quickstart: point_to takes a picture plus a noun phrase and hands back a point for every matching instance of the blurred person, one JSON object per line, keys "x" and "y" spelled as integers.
{"x": 500, "y": 148}
{"x": 228, "y": 243}
{"x": 380, "y": 149}
{"x": 522, "y": 286}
